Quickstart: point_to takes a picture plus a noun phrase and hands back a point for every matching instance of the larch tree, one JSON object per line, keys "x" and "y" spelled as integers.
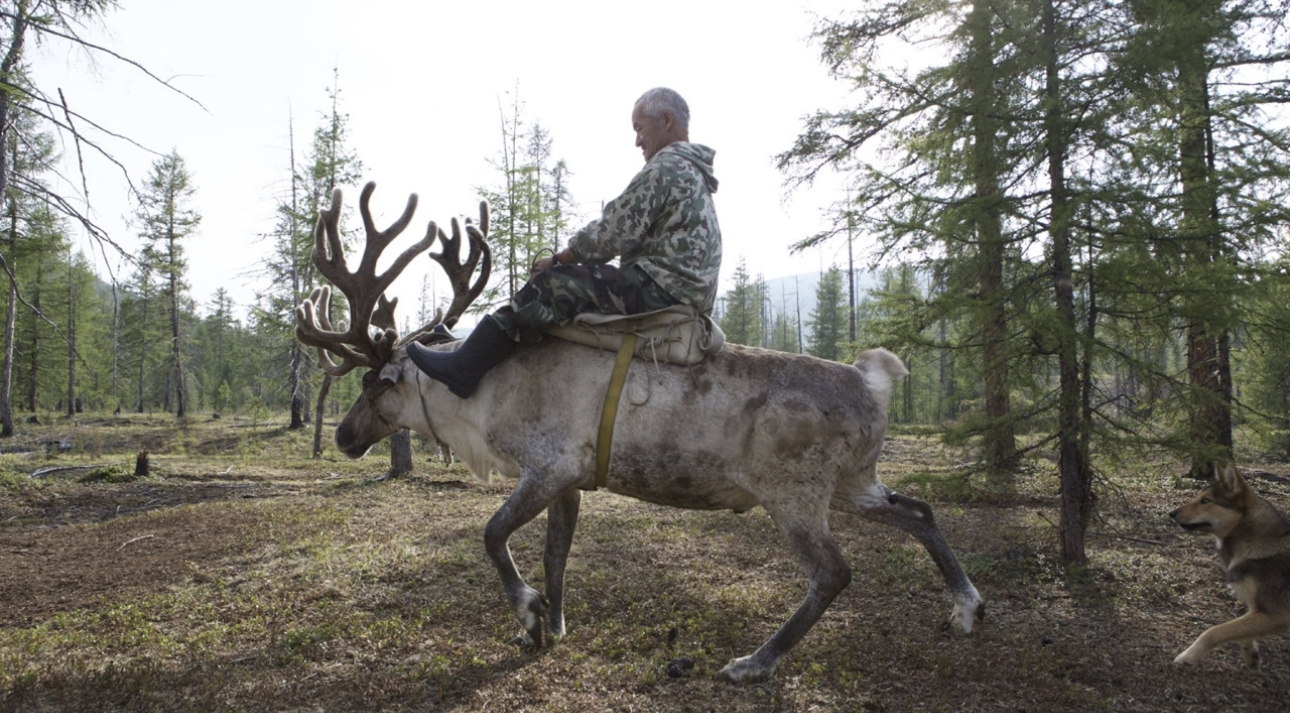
{"x": 1215, "y": 73}
{"x": 165, "y": 217}
{"x": 741, "y": 312}
{"x": 929, "y": 160}
{"x": 328, "y": 164}
{"x": 24, "y": 23}
{"x": 28, "y": 153}
{"x": 531, "y": 207}
{"x": 828, "y": 321}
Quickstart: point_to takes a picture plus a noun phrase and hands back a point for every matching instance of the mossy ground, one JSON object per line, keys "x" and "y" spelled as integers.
{"x": 243, "y": 575}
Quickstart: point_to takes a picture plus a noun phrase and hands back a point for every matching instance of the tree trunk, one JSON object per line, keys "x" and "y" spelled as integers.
{"x": 1072, "y": 463}
{"x": 71, "y": 338}
{"x": 6, "y": 382}
{"x": 999, "y": 446}
{"x": 400, "y": 454}
{"x": 181, "y": 405}
{"x": 33, "y": 388}
{"x": 318, "y": 422}
{"x": 13, "y": 55}
{"x": 145, "y": 298}
{"x": 299, "y": 407}
{"x": 10, "y": 320}
{"x": 1209, "y": 373}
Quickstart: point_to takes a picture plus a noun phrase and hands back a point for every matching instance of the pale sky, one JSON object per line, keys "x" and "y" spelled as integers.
{"x": 421, "y": 83}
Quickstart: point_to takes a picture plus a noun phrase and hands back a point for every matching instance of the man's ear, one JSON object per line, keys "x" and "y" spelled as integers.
{"x": 391, "y": 373}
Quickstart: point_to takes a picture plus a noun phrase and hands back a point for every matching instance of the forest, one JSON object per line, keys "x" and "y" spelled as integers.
{"x": 1069, "y": 218}
{"x": 1081, "y": 210}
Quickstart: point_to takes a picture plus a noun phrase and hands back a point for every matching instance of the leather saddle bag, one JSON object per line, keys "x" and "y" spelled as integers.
{"x": 677, "y": 334}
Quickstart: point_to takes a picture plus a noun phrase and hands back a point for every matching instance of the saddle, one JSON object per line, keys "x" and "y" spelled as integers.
{"x": 676, "y": 334}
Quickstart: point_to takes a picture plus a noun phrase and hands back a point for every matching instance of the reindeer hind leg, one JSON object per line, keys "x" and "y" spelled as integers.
{"x": 815, "y": 550}
{"x": 881, "y": 504}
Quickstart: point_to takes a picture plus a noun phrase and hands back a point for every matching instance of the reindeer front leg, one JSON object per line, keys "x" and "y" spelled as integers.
{"x": 531, "y": 495}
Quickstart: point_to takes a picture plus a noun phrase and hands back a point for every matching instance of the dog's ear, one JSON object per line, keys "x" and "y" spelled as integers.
{"x": 1231, "y": 483}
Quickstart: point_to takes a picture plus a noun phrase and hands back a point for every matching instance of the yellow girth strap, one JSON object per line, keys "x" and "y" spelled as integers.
{"x": 605, "y": 441}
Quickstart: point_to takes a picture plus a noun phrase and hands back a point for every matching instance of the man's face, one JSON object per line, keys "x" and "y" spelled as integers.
{"x": 651, "y": 135}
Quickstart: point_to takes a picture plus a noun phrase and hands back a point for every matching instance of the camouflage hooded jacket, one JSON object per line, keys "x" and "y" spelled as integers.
{"x": 665, "y": 223}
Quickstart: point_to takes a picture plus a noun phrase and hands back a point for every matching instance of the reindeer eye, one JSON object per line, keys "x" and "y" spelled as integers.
{"x": 1204, "y": 501}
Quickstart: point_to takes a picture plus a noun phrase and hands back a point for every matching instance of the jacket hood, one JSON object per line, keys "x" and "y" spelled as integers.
{"x": 699, "y": 155}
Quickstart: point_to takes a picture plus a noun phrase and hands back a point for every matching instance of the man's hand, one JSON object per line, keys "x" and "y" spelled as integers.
{"x": 564, "y": 257}
{"x": 545, "y": 263}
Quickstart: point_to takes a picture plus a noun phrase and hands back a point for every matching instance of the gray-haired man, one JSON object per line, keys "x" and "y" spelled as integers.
{"x": 663, "y": 229}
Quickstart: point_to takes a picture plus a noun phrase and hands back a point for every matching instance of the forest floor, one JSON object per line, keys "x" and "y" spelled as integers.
{"x": 244, "y": 576}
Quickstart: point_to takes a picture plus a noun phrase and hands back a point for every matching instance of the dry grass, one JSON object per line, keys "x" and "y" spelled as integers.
{"x": 247, "y": 577}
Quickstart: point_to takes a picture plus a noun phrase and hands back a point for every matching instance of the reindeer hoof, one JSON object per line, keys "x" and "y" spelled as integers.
{"x": 967, "y": 614}
{"x": 523, "y": 641}
{"x": 742, "y": 671}
{"x": 532, "y": 612}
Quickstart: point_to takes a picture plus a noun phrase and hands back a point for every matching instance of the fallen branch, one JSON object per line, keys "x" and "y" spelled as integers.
{"x": 1113, "y": 536}
{"x": 42, "y": 472}
{"x": 127, "y": 542}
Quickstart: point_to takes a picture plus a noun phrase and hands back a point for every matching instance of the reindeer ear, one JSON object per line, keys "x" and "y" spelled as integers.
{"x": 391, "y": 373}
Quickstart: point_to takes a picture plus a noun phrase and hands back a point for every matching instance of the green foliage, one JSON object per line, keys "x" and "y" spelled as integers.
{"x": 742, "y": 313}
{"x": 783, "y": 334}
{"x": 531, "y": 207}
{"x": 828, "y": 321}
{"x": 165, "y": 217}
{"x": 110, "y": 474}
{"x": 1163, "y": 248}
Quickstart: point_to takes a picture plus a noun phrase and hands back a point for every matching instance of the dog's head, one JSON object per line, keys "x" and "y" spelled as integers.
{"x": 1218, "y": 508}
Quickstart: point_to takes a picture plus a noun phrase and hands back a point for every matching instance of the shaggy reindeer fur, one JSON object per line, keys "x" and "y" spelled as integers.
{"x": 795, "y": 434}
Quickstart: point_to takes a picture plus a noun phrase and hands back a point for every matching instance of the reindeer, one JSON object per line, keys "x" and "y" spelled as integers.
{"x": 797, "y": 435}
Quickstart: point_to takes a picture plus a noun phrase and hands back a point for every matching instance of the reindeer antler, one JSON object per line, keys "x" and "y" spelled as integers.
{"x": 365, "y": 290}
{"x": 459, "y": 272}
{"x": 356, "y": 346}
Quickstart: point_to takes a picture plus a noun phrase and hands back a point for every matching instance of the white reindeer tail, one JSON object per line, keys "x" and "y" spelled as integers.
{"x": 881, "y": 369}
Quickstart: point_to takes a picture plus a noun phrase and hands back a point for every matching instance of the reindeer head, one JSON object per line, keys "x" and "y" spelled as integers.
{"x": 372, "y": 340}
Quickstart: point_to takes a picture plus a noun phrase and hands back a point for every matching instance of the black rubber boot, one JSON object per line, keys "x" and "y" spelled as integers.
{"x": 485, "y": 348}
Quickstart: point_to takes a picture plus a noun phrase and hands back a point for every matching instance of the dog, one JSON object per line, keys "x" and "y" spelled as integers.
{"x": 1254, "y": 549}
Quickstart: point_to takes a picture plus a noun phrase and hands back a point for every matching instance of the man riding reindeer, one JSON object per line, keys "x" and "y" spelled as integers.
{"x": 663, "y": 229}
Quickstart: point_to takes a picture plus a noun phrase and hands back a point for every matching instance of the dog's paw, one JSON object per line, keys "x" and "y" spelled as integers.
{"x": 1250, "y": 654}
{"x": 1186, "y": 658}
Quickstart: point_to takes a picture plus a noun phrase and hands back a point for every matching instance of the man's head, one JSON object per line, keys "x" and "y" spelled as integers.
{"x": 659, "y": 118}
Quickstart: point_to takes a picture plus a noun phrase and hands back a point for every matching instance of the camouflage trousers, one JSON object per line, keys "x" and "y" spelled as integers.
{"x": 553, "y": 297}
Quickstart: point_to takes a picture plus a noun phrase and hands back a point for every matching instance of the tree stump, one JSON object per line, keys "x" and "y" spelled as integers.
{"x": 400, "y": 454}
{"x": 141, "y": 464}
